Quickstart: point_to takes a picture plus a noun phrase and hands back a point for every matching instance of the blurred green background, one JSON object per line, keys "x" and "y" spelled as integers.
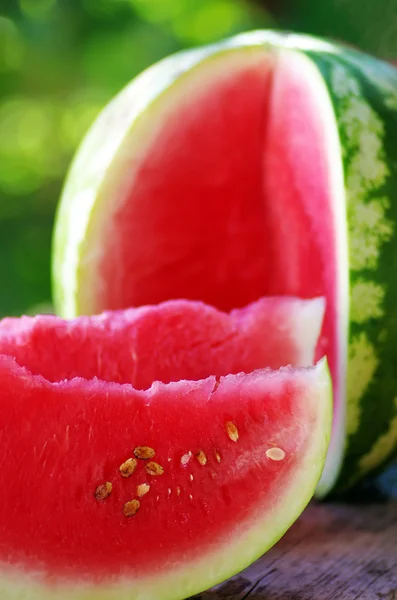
{"x": 62, "y": 60}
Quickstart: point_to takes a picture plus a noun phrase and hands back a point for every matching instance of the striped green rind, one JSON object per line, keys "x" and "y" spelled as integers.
{"x": 362, "y": 94}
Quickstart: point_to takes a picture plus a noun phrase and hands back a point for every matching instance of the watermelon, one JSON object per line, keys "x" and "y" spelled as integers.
{"x": 167, "y": 342}
{"x": 118, "y": 493}
{"x": 262, "y": 165}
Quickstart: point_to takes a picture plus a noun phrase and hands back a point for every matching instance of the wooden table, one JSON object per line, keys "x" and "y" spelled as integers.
{"x": 333, "y": 552}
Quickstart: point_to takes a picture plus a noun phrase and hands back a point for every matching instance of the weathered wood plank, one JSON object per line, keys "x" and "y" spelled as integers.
{"x": 333, "y": 552}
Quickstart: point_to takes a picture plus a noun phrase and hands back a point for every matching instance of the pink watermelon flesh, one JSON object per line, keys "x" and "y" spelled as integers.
{"x": 63, "y": 435}
{"x": 231, "y": 201}
{"x": 168, "y": 342}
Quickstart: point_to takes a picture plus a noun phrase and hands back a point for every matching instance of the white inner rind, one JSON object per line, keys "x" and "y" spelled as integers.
{"x": 227, "y": 556}
{"x": 333, "y": 153}
{"x": 306, "y": 329}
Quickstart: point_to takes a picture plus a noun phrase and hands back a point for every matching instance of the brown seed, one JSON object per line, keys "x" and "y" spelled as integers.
{"x": 218, "y": 456}
{"x": 232, "y": 431}
{"x": 142, "y": 489}
{"x": 103, "y": 491}
{"x": 128, "y": 467}
{"x": 201, "y": 457}
{"x": 144, "y": 452}
{"x": 153, "y": 468}
{"x": 131, "y": 508}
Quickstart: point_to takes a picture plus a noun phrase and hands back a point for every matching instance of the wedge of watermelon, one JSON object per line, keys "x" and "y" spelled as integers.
{"x": 110, "y": 492}
{"x": 262, "y": 165}
{"x": 168, "y": 342}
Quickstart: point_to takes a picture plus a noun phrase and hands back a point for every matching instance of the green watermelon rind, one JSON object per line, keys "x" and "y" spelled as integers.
{"x": 367, "y": 437}
{"x": 364, "y": 94}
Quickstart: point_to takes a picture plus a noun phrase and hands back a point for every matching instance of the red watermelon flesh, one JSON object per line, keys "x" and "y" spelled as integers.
{"x": 230, "y": 461}
{"x": 226, "y": 201}
{"x": 60, "y": 442}
{"x": 167, "y": 342}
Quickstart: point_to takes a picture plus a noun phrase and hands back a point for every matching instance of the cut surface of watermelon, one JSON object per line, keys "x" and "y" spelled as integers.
{"x": 241, "y": 170}
{"x": 167, "y": 342}
{"x": 113, "y": 492}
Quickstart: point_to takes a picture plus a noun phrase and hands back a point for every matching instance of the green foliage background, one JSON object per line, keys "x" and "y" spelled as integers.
{"x": 62, "y": 60}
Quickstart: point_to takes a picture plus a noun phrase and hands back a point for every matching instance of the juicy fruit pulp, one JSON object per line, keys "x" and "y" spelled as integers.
{"x": 167, "y": 342}
{"x": 201, "y": 220}
{"x": 116, "y": 492}
{"x": 262, "y": 165}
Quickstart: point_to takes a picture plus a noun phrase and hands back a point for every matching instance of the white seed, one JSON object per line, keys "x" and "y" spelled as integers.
{"x": 275, "y": 454}
{"x": 142, "y": 489}
{"x": 185, "y": 458}
{"x": 191, "y": 477}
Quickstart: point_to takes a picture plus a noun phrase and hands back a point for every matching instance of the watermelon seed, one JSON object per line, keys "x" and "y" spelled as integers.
{"x": 142, "y": 489}
{"x": 144, "y": 452}
{"x": 275, "y": 454}
{"x": 232, "y": 431}
{"x": 191, "y": 477}
{"x": 178, "y": 490}
{"x": 218, "y": 456}
{"x": 131, "y": 508}
{"x": 185, "y": 458}
{"x": 169, "y": 491}
{"x": 216, "y": 385}
{"x": 103, "y": 491}
{"x": 201, "y": 457}
{"x": 128, "y": 467}
{"x": 153, "y": 468}
{"x": 191, "y": 497}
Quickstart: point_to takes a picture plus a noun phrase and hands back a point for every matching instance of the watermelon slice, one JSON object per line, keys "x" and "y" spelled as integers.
{"x": 167, "y": 342}
{"x": 262, "y": 165}
{"x": 111, "y": 492}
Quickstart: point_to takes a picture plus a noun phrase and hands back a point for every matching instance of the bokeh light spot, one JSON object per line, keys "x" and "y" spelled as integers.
{"x": 36, "y": 9}
{"x": 11, "y": 46}
{"x": 209, "y": 21}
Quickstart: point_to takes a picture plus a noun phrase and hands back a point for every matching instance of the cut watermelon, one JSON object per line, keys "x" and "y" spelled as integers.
{"x": 168, "y": 342}
{"x": 262, "y": 165}
{"x": 110, "y": 492}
